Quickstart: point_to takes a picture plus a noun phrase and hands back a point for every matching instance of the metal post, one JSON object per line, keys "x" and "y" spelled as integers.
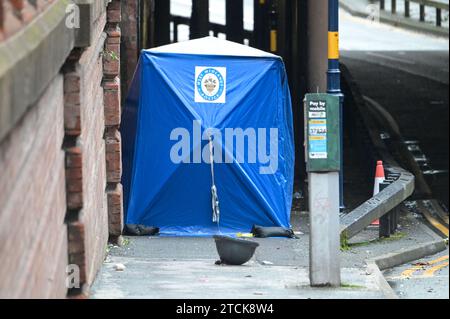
{"x": 334, "y": 80}
{"x": 199, "y": 26}
{"x": 261, "y": 27}
{"x": 273, "y": 29}
{"x": 162, "y": 22}
{"x": 393, "y": 214}
{"x": 394, "y": 6}
{"x": 235, "y": 20}
{"x": 422, "y": 12}
{"x": 175, "y": 30}
{"x": 385, "y": 229}
{"x": 407, "y": 9}
{"x": 397, "y": 218}
{"x": 438, "y": 17}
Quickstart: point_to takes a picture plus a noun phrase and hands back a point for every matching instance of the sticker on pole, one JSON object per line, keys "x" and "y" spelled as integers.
{"x": 322, "y": 131}
{"x": 318, "y": 141}
{"x": 210, "y": 84}
{"x": 318, "y": 146}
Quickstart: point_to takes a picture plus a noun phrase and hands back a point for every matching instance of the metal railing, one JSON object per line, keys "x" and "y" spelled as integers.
{"x": 399, "y": 184}
{"x": 398, "y": 187}
{"x": 215, "y": 28}
{"x": 439, "y": 7}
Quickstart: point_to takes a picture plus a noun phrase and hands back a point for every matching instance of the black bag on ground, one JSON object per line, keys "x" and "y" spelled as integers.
{"x": 267, "y": 232}
{"x": 140, "y": 230}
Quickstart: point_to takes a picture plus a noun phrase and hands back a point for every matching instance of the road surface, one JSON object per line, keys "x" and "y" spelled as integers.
{"x": 423, "y": 279}
{"x": 406, "y": 74}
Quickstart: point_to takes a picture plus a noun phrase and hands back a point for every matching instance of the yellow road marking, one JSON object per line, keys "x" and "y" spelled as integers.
{"x": 433, "y": 221}
{"x": 430, "y": 272}
{"x": 410, "y": 272}
{"x": 438, "y": 260}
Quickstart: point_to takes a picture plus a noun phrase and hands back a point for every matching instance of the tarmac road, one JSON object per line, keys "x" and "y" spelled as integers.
{"x": 407, "y": 75}
{"x": 423, "y": 279}
{"x": 415, "y": 93}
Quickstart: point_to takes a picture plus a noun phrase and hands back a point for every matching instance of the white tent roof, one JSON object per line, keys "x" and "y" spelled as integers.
{"x": 212, "y": 46}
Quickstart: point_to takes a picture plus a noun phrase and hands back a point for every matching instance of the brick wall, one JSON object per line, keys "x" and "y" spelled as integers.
{"x": 60, "y": 162}
{"x": 86, "y": 163}
{"x": 33, "y": 236}
{"x": 112, "y": 98}
{"x": 130, "y": 41}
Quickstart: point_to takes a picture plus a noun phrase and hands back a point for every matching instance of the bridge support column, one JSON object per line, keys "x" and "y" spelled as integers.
{"x": 200, "y": 19}
{"x": 162, "y": 22}
{"x": 261, "y": 27}
{"x": 235, "y": 20}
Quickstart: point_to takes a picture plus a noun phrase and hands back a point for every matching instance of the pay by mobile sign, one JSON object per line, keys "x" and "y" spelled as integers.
{"x": 322, "y": 132}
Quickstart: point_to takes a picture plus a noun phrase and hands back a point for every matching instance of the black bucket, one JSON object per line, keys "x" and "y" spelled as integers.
{"x": 233, "y": 251}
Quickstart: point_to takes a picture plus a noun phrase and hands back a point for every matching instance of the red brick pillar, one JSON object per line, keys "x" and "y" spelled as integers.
{"x": 86, "y": 94}
{"x": 112, "y": 100}
{"x": 130, "y": 45}
{"x": 74, "y": 168}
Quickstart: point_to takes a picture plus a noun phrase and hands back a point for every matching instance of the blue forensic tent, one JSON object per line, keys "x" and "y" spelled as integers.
{"x": 180, "y": 95}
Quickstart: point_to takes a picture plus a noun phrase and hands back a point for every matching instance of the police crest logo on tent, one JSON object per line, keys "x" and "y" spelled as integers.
{"x": 210, "y": 84}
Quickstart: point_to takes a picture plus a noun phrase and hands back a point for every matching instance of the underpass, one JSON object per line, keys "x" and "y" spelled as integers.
{"x": 403, "y": 77}
{"x": 405, "y": 74}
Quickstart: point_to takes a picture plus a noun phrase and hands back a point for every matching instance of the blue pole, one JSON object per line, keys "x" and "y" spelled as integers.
{"x": 334, "y": 80}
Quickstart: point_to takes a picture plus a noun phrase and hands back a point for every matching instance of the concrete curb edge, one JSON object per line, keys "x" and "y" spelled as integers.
{"x": 378, "y": 264}
{"x": 407, "y": 255}
{"x": 386, "y": 289}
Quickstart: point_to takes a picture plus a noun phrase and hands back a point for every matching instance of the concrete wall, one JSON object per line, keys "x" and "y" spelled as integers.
{"x": 60, "y": 148}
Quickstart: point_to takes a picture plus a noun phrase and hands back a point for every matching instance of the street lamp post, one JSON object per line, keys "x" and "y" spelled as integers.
{"x": 334, "y": 80}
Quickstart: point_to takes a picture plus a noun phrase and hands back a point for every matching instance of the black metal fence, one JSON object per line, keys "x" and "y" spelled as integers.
{"x": 438, "y": 6}
{"x": 214, "y": 28}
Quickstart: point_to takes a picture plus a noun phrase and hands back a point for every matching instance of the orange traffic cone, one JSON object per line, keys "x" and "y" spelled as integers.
{"x": 379, "y": 178}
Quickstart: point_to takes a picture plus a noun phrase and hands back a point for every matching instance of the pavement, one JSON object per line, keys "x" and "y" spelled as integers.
{"x": 201, "y": 279}
{"x": 184, "y": 267}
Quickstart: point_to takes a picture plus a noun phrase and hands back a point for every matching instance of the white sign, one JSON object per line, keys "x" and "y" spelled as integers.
{"x": 210, "y": 84}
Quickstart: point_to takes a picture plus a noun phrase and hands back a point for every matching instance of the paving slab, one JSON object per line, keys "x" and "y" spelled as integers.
{"x": 184, "y": 267}
{"x": 202, "y": 279}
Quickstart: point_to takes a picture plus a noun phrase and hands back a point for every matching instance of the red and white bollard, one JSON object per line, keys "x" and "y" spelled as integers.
{"x": 379, "y": 178}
